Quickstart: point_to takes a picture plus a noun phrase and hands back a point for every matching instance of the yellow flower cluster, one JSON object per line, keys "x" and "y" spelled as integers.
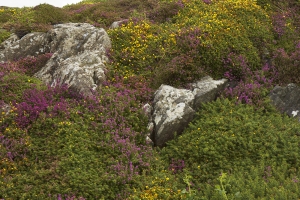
{"x": 139, "y": 44}
{"x": 6, "y": 166}
{"x": 158, "y": 189}
{"x": 224, "y": 25}
{"x": 158, "y": 192}
{"x": 221, "y": 17}
{"x": 64, "y": 123}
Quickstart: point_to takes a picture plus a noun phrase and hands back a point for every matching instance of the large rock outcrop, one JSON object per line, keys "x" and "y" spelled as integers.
{"x": 287, "y": 99}
{"x": 78, "y": 54}
{"x": 174, "y": 109}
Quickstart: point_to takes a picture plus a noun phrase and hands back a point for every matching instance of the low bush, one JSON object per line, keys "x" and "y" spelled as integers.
{"x": 288, "y": 64}
{"x": 21, "y": 21}
{"x": 135, "y": 47}
{"x": 95, "y": 146}
{"x": 5, "y": 14}
{"x": 4, "y": 35}
{"x": 48, "y": 14}
{"x": 264, "y": 181}
{"x": 241, "y": 27}
{"x": 229, "y": 138}
{"x": 14, "y": 84}
{"x": 104, "y": 13}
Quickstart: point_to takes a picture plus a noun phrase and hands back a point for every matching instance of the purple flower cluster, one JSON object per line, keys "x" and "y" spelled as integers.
{"x": 52, "y": 102}
{"x": 267, "y": 173}
{"x": 28, "y": 65}
{"x": 176, "y": 166}
{"x": 250, "y": 85}
{"x": 13, "y": 148}
{"x": 207, "y": 1}
{"x": 288, "y": 64}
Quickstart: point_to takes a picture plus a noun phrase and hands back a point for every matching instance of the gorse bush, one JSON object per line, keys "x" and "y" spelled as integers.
{"x": 226, "y": 137}
{"x": 134, "y": 47}
{"x": 226, "y": 26}
{"x": 5, "y": 14}
{"x": 264, "y": 181}
{"x": 21, "y": 21}
{"x": 195, "y": 42}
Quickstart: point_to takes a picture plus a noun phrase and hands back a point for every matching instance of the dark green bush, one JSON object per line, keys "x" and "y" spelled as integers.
{"x": 164, "y": 11}
{"x": 262, "y": 182}
{"x": 48, "y": 14}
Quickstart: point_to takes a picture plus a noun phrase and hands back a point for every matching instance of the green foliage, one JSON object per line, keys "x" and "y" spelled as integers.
{"x": 158, "y": 183}
{"x": 91, "y": 1}
{"x": 136, "y": 46}
{"x": 48, "y": 14}
{"x": 14, "y": 84}
{"x": 164, "y": 11}
{"x": 226, "y": 137}
{"x": 5, "y": 14}
{"x": 4, "y": 35}
{"x": 262, "y": 182}
{"x": 288, "y": 64}
{"x": 104, "y": 13}
{"x": 69, "y": 152}
{"x": 241, "y": 27}
{"x": 21, "y": 21}
{"x": 90, "y": 147}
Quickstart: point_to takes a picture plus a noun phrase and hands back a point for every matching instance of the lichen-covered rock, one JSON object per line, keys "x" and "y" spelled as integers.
{"x": 174, "y": 109}
{"x": 32, "y": 44}
{"x": 207, "y": 90}
{"x": 287, "y": 99}
{"x": 79, "y": 54}
{"x": 172, "y": 112}
{"x": 117, "y": 24}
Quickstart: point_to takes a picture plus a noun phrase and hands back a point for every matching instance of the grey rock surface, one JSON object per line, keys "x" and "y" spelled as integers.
{"x": 79, "y": 54}
{"x": 174, "y": 109}
{"x": 287, "y": 99}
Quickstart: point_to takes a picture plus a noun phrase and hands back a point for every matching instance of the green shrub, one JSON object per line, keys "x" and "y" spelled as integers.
{"x": 14, "y": 84}
{"x": 288, "y": 65}
{"x": 88, "y": 147}
{"x": 136, "y": 46}
{"x": 241, "y": 27}
{"x": 226, "y": 137}
{"x": 4, "y": 35}
{"x": 262, "y": 182}
{"x": 5, "y": 14}
{"x": 164, "y": 11}
{"x": 104, "y": 13}
{"x": 48, "y": 14}
{"x": 21, "y": 22}
{"x": 158, "y": 183}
